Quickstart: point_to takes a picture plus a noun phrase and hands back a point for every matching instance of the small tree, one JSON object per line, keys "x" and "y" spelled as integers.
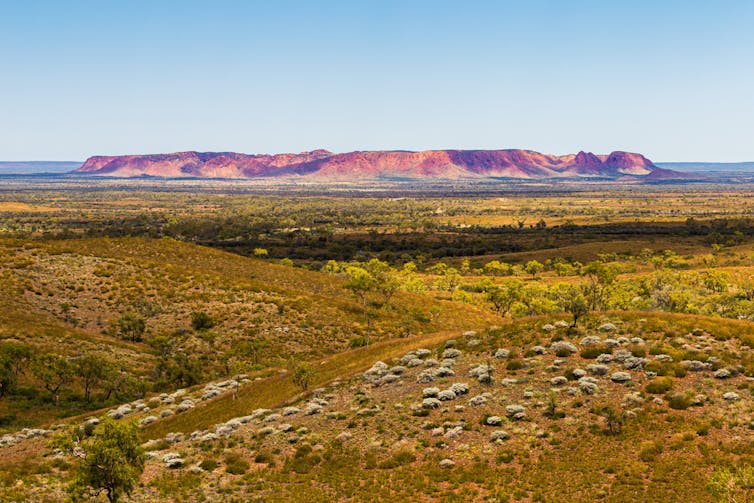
{"x": 503, "y": 297}
{"x": 92, "y": 370}
{"x": 111, "y": 460}
{"x": 574, "y": 303}
{"x": 54, "y": 371}
{"x": 302, "y": 375}
{"x": 132, "y": 327}
{"x": 13, "y": 359}
{"x": 360, "y": 283}
{"x": 534, "y": 267}
{"x": 613, "y": 421}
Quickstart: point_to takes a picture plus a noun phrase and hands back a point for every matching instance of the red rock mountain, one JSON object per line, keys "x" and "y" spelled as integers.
{"x": 322, "y": 164}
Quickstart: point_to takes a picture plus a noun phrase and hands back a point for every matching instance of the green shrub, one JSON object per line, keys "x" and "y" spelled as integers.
{"x": 515, "y": 365}
{"x": 201, "y": 320}
{"x": 235, "y": 464}
{"x": 208, "y": 465}
{"x": 679, "y": 401}
{"x": 649, "y": 451}
{"x": 592, "y": 352}
{"x": 659, "y": 386}
{"x": 400, "y": 458}
{"x": 263, "y": 457}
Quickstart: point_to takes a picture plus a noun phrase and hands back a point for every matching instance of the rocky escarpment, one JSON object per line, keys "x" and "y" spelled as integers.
{"x": 322, "y": 164}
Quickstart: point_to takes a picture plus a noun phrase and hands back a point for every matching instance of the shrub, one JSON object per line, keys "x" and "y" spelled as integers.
{"x": 679, "y": 401}
{"x": 515, "y": 365}
{"x": 263, "y": 457}
{"x": 504, "y": 457}
{"x": 201, "y": 321}
{"x": 235, "y": 465}
{"x": 400, "y": 458}
{"x": 208, "y": 465}
{"x": 639, "y": 351}
{"x": 649, "y": 451}
{"x": 659, "y": 386}
{"x": 358, "y": 342}
{"x": 592, "y": 352}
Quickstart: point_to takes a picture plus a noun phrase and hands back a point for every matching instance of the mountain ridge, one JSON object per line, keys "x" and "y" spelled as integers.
{"x": 371, "y": 164}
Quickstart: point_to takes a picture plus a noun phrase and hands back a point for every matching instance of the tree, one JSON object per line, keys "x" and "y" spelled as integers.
{"x": 111, "y": 460}
{"x": 92, "y": 370}
{"x": 573, "y": 302}
{"x": 132, "y": 327}
{"x": 600, "y": 277}
{"x": 613, "y": 420}
{"x": 385, "y": 280}
{"x": 302, "y": 375}
{"x": 360, "y": 283}
{"x": 503, "y": 297}
{"x": 13, "y": 359}
{"x": 54, "y": 371}
{"x": 534, "y": 267}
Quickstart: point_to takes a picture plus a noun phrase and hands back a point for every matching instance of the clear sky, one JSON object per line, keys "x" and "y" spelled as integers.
{"x": 671, "y": 79}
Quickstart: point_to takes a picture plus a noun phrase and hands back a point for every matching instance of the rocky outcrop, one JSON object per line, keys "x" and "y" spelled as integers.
{"x": 322, "y": 164}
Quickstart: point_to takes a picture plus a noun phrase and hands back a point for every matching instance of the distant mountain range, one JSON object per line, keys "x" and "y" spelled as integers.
{"x": 391, "y": 164}
{"x": 37, "y": 167}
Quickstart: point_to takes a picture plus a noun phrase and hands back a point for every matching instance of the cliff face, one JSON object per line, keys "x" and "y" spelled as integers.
{"x": 322, "y": 164}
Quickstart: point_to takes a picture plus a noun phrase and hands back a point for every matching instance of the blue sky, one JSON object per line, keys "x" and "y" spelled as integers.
{"x": 671, "y": 79}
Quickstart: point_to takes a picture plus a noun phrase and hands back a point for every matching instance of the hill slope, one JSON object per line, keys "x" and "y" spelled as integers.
{"x": 552, "y": 421}
{"x": 322, "y": 164}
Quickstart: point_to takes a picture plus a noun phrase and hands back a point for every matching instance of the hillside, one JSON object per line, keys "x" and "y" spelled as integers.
{"x": 530, "y": 411}
{"x": 76, "y": 297}
{"x": 322, "y": 164}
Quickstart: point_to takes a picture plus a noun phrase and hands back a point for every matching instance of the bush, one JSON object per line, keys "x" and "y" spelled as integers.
{"x": 659, "y": 386}
{"x": 235, "y": 465}
{"x": 358, "y": 342}
{"x": 208, "y": 465}
{"x": 515, "y": 365}
{"x": 201, "y": 321}
{"x": 679, "y": 401}
{"x": 592, "y": 352}
{"x": 263, "y": 457}
{"x": 649, "y": 451}
{"x": 639, "y": 351}
{"x": 400, "y": 458}
{"x": 504, "y": 457}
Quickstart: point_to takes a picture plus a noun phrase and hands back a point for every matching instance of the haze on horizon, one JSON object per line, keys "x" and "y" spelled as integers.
{"x": 670, "y": 79}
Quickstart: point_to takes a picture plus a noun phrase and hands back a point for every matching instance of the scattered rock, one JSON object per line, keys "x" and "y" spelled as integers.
{"x": 620, "y": 377}
{"x": 447, "y": 463}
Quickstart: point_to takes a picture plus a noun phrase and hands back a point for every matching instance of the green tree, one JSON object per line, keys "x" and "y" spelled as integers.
{"x": 54, "y": 371}
{"x": 14, "y": 358}
{"x": 360, "y": 283}
{"x": 111, "y": 460}
{"x": 534, "y": 267}
{"x": 132, "y": 327}
{"x": 92, "y": 370}
{"x": 302, "y": 375}
{"x": 600, "y": 277}
{"x": 573, "y": 302}
{"x": 503, "y": 296}
{"x": 386, "y": 282}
